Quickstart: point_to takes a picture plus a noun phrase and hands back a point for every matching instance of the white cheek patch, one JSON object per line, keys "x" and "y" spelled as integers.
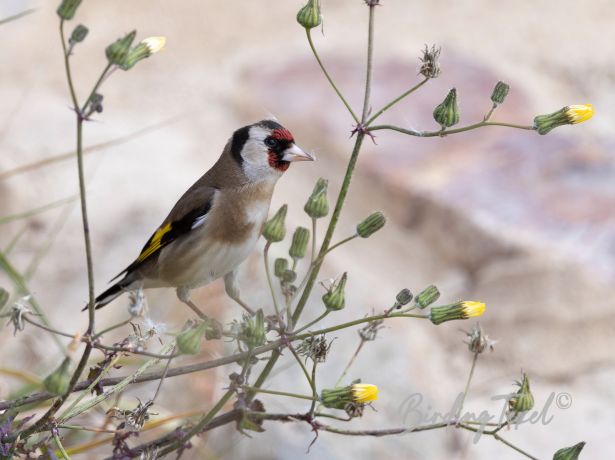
{"x": 255, "y": 155}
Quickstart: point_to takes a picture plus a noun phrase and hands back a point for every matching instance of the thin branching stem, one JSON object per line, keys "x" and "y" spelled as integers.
{"x": 331, "y": 82}
{"x": 442, "y": 133}
{"x": 395, "y": 101}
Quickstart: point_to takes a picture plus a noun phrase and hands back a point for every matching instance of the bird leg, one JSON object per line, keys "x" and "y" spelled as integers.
{"x": 183, "y": 294}
{"x": 232, "y": 289}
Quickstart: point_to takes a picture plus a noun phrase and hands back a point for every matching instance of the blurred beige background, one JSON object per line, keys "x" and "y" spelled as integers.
{"x": 523, "y": 222}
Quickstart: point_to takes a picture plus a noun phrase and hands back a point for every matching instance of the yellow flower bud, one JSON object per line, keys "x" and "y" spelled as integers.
{"x": 569, "y": 115}
{"x": 459, "y": 310}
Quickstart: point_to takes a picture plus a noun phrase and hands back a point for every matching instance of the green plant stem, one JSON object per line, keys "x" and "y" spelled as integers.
{"x": 324, "y": 71}
{"x": 321, "y": 317}
{"x": 270, "y": 281}
{"x": 341, "y": 198}
{"x": 22, "y": 288}
{"x": 62, "y": 417}
{"x": 47, "y": 328}
{"x": 339, "y": 243}
{"x": 17, "y": 16}
{"x": 211, "y": 364}
{"x": 350, "y": 362}
{"x": 305, "y": 372}
{"x": 67, "y": 69}
{"x": 99, "y": 82}
{"x": 110, "y": 328}
{"x": 200, "y": 425}
{"x": 395, "y": 101}
{"x": 369, "y": 70}
{"x": 491, "y": 110}
{"x": 277, "y": 393}
{"x": 35, "y": 211}
{"x": 56, "y": 438}
{"x": 467, "y": 388}
{"x": 499, "y": 438}
{"x": 446, "y": 132}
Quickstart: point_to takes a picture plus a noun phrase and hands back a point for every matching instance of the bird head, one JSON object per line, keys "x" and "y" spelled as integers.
{"x": 265, "y": 149}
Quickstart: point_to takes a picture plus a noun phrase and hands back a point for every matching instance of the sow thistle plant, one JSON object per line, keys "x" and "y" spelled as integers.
{"x": 260, "y": 340}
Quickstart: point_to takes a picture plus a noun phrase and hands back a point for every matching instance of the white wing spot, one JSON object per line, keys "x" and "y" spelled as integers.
{"x": 199, "y": 221}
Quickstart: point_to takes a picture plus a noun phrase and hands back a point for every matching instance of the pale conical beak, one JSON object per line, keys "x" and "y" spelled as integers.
{"x": 294, "y": 153}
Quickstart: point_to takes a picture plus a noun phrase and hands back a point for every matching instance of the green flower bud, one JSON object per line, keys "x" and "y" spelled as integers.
{"x": 189, "y": 341}
{"x": 357, "y": 393}
{"x": 253, "y": 332}
{"x": 78, "y": 35}
{"x": 280, "y": 266}
{"x": 427, "y": 296}
{"x": 301, "y": 237}
{"x": 59, "y": 380}
{"x": 67, "y": 9}
{"x": 499, "y": 92}
{"x": 523, "y": 400}
{"x": 403, "y": 297}
{"x": 569, "y": 115}
{"x": 334, "y": 298}
{"x": 4, "y": 297}
{"x": 317, "y": 205}
{"x": 371, "y": 224}
{"x": 289, "y": 276}
{"x": 569, "y": 453}
{"x": 309, "y": 16}
{"x": 274, "y": 230}
{"x": 447, "y": 113}
{"x": 118, "y": 50}
{"x": 459, "y": 310}
{"x": 143, "y": 50}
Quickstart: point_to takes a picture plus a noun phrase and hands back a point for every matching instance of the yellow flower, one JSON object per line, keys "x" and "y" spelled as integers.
{"x": 154, "y": 44}
{"x": 364, "y": 392}
{"x": 579, "y": 113}
{"x": 472, "y": 309}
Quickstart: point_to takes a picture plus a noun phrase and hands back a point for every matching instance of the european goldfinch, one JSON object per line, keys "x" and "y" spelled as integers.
{"x": 215, "y": 225}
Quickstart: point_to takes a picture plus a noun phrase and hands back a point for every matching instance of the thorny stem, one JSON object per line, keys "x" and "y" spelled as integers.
{"x": 445, "y": 132}
{"x": 395, "y": 101}
{"x": 324, "y": 71}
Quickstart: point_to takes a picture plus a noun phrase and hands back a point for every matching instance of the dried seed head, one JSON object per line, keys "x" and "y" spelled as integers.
{"x": 478, "y": 341}
{"x": 430, "y": 65}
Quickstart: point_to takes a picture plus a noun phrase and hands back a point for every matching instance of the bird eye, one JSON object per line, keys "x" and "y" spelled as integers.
{"x": 270, "y": 142}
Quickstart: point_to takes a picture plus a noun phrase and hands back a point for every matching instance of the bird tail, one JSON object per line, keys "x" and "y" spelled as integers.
{"x": 112, "y": 293}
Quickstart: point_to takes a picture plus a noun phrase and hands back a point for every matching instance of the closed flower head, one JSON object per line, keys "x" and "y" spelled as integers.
{"x": 459, "y": 310}
{"x": 569, "y": 115}
{"x": 364, "y": 393}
